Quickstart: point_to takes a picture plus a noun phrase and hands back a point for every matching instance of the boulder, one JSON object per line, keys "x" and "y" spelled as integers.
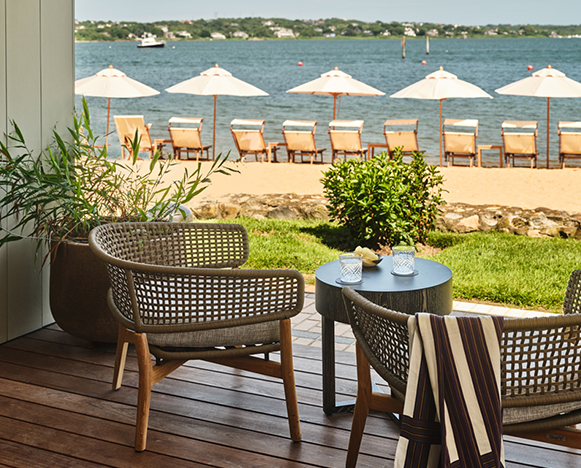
{"x": 470, "y": 224}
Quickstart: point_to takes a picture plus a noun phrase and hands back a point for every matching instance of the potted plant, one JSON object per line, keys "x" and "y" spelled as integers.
{"x": 58, "y": 196}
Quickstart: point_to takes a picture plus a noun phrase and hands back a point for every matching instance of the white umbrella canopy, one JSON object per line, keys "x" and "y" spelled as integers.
{"x": 215, "y": 82}
{"x": 336, "y": 83}
{"x": 112, "y": 83}
{"x": 548, "y": 83}
{"x": 441, "y": 85}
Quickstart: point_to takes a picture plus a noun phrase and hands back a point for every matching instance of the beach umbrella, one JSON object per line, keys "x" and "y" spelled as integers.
{"x": 215, "y": 82}
{"x": 336, "y": 83}
{"x": 549, "y": 83}
{"x": 441, "y": 85}
{"x": 112, "y": 83}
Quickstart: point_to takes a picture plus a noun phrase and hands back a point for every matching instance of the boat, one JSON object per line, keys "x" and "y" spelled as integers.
{"x": 150, "y": 43}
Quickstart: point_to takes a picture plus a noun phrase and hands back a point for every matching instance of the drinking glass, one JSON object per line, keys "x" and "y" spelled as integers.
{"x": 403, "y": 259}
{"x": 351, "y": 265}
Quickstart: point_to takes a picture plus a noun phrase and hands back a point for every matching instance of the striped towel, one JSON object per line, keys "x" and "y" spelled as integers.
{"x": 452, "y": 415}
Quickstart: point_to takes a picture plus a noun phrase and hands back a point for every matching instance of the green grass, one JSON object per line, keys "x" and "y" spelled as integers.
{"x": 517, "y": 271}
{"x": 298, "y": 244}
{"x": 506, "y": 269}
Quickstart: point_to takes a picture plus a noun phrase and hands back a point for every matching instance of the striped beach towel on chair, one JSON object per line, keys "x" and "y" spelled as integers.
{"x": 452, "y": 415}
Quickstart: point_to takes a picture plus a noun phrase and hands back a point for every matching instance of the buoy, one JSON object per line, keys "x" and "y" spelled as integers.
{"x": 424, "y": 62}
{"x": 300, "y": 64}
{"x": 530, "y": 67}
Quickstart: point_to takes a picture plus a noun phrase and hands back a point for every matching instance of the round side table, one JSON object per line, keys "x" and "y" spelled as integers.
{"x": 428, "y": 291}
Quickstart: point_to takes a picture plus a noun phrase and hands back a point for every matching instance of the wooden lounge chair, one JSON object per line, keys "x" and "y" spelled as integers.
{"x": 540, "y": 368}
{"x": 187, "y": 139}
{"x": 401, "y": 133}
{"x": 569, "y": 141}
{"x": 178, "y": 294}
{"x": 248, "y": 137}
{"x": 299, "y": 138}
{"x": 127, "y": 126}
{"x": 345, "y": 136}
{"x": 459, "y": 137}
{"x": 519, "y": 141}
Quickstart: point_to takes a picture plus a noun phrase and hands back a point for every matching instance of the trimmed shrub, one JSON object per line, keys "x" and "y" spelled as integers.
{"x": 384, "y": 201}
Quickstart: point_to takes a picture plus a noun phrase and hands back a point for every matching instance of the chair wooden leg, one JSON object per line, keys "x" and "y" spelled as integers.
{"x": 362, "y": 405}
{"x": 144, "y": 392}
{"x": 124, "y": 337}
{"x": 288, "y": 378}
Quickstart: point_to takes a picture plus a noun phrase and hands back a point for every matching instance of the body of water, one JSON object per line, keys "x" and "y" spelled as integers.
{"x": 272, "y": 66}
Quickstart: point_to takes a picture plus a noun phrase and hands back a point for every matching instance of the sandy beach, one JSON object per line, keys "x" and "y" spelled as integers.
{"x": 558, "y": 189}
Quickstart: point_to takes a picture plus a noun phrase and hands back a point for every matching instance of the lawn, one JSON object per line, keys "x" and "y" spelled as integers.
{"x": 514, "y": 271}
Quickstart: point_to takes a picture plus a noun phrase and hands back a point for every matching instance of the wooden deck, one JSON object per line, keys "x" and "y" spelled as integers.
{"x": 57, "y": 409}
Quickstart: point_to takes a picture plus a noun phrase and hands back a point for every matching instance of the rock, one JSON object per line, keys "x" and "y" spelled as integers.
{"x": 469, "y": 224}
{"x": 229, "y": 210}
{"x": 207, "y": 211}
{"x": 282, "y": 212}
{"x": 533, "y": 233}
{"x": 488, "y": 222}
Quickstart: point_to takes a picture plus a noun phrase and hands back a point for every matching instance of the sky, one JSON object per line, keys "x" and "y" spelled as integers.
{"x": 465, "y": 12}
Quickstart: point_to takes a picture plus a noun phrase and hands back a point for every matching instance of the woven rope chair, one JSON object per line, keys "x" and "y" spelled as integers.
{"x": 177, "y": 294}
{"x": 540, "y": 371}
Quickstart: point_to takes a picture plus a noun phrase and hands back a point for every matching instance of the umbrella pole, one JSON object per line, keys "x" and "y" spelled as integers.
{"x": 441, "y": 132}
{"x": 107, "y": 134}
{"x": 334, "y": 105}
{"x": 214, "y": 138}
{"x": 548, "y": 133}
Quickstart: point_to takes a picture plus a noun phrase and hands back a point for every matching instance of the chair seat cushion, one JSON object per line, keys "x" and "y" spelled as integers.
{"x": 534, "y": 413}
{"x": 257, "y": 333}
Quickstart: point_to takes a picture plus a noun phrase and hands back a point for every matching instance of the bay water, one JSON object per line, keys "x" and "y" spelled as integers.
{"x": 273, "y": 67}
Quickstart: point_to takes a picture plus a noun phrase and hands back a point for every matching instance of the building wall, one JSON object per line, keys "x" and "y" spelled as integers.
{"x": 36, "y": 91}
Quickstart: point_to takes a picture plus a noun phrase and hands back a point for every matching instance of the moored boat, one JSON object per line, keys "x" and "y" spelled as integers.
{"x": 150, "y": 43}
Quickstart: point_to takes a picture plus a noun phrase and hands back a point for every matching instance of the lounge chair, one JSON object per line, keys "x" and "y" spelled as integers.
{"x": 401, "y": 133}
{"x": 540, "y": 365}
{"x": 178, "y": 294}
{"x": 187, "y": 139}
{"x": 345, "y": 136}
{"x": 519, "y": 140}
{"x": 127, "y": 126}
{"x": 569, "y": 141}
{"x": 248, "y": 137}
{"x": 459, "y": 138}
{"x": 299, "y": 138}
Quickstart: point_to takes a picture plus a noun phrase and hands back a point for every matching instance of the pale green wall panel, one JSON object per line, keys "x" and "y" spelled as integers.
{"x": 23, "y": 74}
{"x": 3, "y": 254}
{"x": 57, "y": 63}
{"x": 36, "y": 90}
{"x": 3, "y": 119}
{"x": 23, "y": 81}
{"x": 57, "y": 86}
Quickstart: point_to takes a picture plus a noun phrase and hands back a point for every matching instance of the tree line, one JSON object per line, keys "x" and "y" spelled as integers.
{"x": 271, "y": 28}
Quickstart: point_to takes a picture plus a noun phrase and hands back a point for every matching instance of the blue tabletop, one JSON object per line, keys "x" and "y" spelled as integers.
{"x": 379, "y": 278}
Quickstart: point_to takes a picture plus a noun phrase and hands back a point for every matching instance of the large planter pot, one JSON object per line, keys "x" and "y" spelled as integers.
{"x": 78, "y": 294}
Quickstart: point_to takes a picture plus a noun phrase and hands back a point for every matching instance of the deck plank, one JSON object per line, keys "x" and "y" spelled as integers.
{"x": 57, "y": 409}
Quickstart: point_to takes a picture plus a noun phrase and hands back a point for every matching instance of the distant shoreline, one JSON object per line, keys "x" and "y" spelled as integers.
{"x": 342, "y": 38}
